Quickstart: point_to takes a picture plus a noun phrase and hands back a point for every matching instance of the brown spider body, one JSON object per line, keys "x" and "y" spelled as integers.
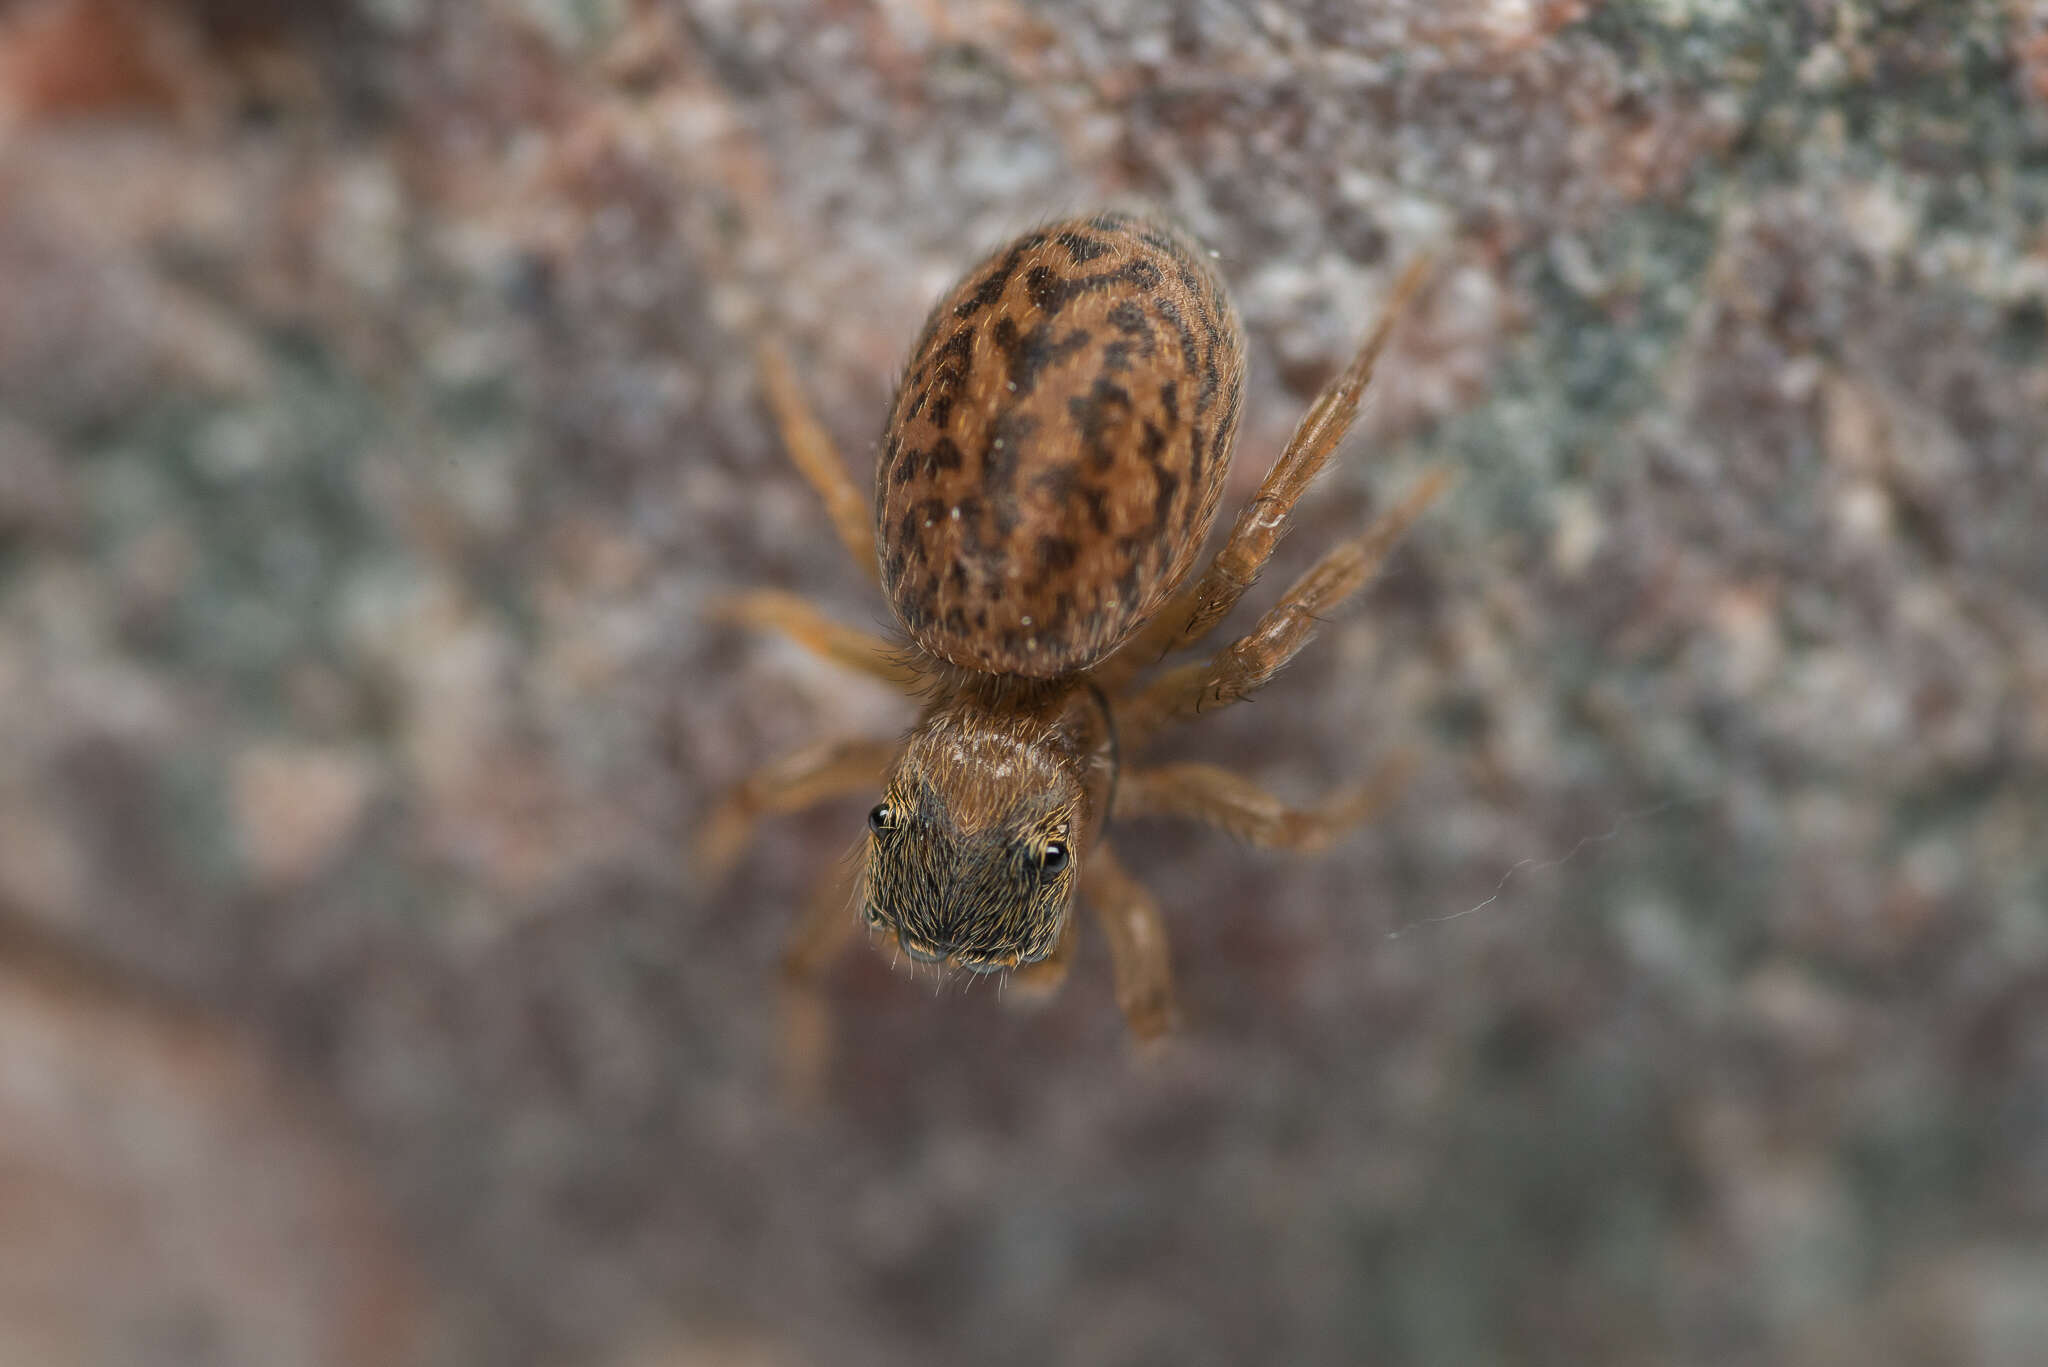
{"x": 990, "y": 779}
{"x": 1058, "y": 447}
{"x": 1053, "y": 460}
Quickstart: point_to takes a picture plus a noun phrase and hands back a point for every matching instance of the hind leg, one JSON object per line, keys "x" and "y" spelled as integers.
{"x": 1196, "y": 609}
{"x": 1233, "y": 803}
{"x": 1246, "y": 664}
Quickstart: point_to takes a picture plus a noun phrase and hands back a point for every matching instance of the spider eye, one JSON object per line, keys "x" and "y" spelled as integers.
{"x": 1053, "y": 857}
{"x": 881, "y": 818}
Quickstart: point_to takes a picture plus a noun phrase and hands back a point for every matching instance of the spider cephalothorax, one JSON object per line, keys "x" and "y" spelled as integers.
{"x": 1053, "y": 460}
{"x": 974, "y": 851}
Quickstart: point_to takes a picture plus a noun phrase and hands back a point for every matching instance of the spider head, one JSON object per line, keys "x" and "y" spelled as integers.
{"x": 974, "y": 851}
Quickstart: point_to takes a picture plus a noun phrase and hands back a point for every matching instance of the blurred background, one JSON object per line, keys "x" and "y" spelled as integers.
{"x": 377, "y": 423}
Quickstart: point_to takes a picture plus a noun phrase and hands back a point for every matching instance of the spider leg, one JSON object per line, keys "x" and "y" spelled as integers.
{"x": 813, "y": 453}
{"x": 1232, "y": 802}
{"x": 1137, "y": 943}
{"x": 1193, "y": 612}
{"x": 794, "y": 617}
{"x": 790, "y": 784}
{"x": 1033, "y": 983}
{"x": 1246, "y": 664}
{"x": 828, "y": 923}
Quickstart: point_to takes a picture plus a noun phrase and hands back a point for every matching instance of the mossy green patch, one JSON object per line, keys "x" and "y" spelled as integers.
{"x": 261, "y": 506}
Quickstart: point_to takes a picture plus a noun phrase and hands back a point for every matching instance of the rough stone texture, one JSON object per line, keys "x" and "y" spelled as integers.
{"x": 376, "y": 421}
{"x": 167, "y": 1199}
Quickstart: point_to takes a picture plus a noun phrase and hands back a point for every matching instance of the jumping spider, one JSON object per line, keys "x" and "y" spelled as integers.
{"x": 1051, "y": 466}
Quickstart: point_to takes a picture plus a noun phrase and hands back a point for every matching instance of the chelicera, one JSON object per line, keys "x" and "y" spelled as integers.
{"x": 1052, "y": 464}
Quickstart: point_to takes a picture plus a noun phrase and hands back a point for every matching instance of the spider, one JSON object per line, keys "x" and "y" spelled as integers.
{"x": 1052, "y": 464}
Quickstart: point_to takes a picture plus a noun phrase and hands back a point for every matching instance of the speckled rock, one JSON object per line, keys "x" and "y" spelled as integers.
{"x": 377, "y": 411}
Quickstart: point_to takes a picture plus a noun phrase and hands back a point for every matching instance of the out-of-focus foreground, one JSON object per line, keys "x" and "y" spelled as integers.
{"x": 377, "y": 422}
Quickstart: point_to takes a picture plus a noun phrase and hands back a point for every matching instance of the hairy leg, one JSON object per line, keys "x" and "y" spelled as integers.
{"x": 828, "y": 923}
{"x": 793, "y": 616}
{"x": 1033, "y": 983}
{"x": 812, "y": 451}
{"x": 1137, "y": 943}
{"x": 1218, "y": 797}
{"x": 790, "y": 784}
{"x": 1195, "y": 610}
{"x": 1246, "y": 664}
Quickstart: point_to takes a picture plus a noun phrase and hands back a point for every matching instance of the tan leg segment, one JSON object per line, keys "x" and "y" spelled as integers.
{"x": 827, "y": 925}
{"x": 1196, "y": 609}
{"x": 794, "y": 617}
{"x": 1246, "y": 664}
{"x": 790, "y": 784}
{"x": 1137, "y": 943}
{"x": 1218, "y": 797}
{"x": 1030, "y": 984}
{"x": 813, "y": 453}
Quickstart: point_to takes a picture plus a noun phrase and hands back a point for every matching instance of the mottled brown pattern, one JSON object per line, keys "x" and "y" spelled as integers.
{"x": 1057, "y": 446}
{"x": 1054, "y": 460}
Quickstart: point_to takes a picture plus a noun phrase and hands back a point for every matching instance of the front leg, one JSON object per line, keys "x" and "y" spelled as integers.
{"x": 1033, "y": 983}
{"x": 818, "y": 940}
{"x": 792, "y": 783}
{"x": 1137, "y": 943}
{"x": 793, "y": 616}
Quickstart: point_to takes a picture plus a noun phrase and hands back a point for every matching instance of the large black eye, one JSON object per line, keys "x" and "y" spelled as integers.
{"x": 881, "y": 818}
{"x": 1053, "y": 857}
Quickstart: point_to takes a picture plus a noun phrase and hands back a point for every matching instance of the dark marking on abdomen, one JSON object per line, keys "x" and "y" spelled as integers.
{"x": 1056, "y": 450}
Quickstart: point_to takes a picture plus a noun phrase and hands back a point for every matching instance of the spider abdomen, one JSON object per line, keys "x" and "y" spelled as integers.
{"x": 1058, "y": 446}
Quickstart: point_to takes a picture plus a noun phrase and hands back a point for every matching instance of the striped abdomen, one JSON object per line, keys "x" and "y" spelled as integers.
{"x": 1057, "y": 446}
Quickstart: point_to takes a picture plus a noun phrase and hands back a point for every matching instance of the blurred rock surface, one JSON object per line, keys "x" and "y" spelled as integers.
{"x": 377, "y": 419}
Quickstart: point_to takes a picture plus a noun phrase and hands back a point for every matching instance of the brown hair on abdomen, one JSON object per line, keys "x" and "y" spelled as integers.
{"x": 1058, "y": 446}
